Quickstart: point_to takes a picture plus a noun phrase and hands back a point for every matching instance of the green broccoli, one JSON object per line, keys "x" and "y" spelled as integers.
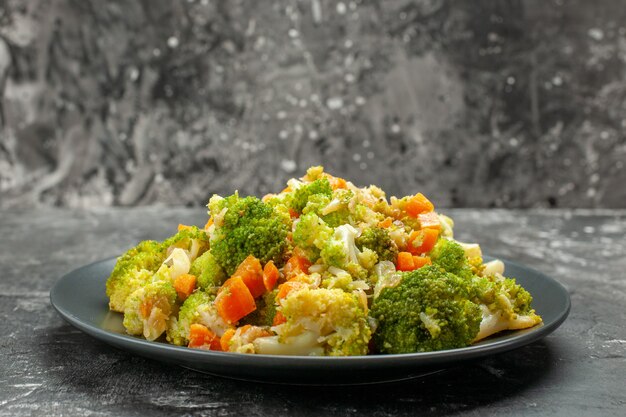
{"x": 300, "y": 196}
{"x": 280, "y": 206}
{"x": 311, "y": 234}
{"x": 132, "y": 270}
{"x": 341, "y": 252}
{"x": 197, "y": 308}
{"x": 246, "y": 226}
{"x": 450, "y": 256}
{"x": 208, "y": 272}
{"x": 193, "y": 239}
{"x": 378, "y": 240}
{"x": 148, "y": 308}
{"x": 334, "y": 209}
{"x": 505, "y": 305}
{"x": 337, "y": 318}
{"x": 428, "y": 309}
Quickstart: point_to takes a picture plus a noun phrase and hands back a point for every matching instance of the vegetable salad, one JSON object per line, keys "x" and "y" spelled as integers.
{"x": 321, "y": 268}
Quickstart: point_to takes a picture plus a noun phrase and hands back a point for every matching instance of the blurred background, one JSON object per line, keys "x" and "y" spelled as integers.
{"x": 501, "y": 103}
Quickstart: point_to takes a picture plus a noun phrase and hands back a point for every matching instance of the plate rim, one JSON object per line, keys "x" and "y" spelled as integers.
{"x": 379, "y": 360}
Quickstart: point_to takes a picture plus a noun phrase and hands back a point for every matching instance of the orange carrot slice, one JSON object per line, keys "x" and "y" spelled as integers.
{"x": 234, "y": 300}
{"x": 420, "y": 261}
{"x": 270, "y": 276}
{"x": 386, "y": 223}
{"x": 184, "y": 285}
{"x": 296, "y": 265}
{"x": 405, "y": 262}
{"x": 422, "y": 241}
{"x": 225, "y": 339}
{"x": 289, "y": 286}
{"x": 418, "y": 204}
{"x": 201, "y": 337}
{"x": 251, "y": 273}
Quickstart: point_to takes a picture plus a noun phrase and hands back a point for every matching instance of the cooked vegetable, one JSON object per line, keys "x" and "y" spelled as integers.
{"x": 429, "y": 309}
{"x": 209, "y": 273}
{"x": 147, "y": 310}
{"x": 243, "y": 227}
{"x": 133, "y": 270}
{"x": 321, "y": 268}
{"x": 251, "y": 274}
{"x": 197, "y": 308}
{"x": 378, "y": 240}
{"x": 234, "y": 300}
{"x": 184, "y": 285}
{"x": 270, "y": 275}
{"x": 201, "y": 337}
{"x": 337, "y": 319}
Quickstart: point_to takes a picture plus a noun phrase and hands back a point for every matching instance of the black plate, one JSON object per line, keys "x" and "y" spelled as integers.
{"x": 80, "y": 298}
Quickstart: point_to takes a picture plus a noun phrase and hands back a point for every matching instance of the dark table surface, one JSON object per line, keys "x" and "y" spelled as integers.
{"x": 49, "y": 368}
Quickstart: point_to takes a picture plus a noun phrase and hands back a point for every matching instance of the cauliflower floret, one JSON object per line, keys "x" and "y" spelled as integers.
{"x": 338, "y": 318}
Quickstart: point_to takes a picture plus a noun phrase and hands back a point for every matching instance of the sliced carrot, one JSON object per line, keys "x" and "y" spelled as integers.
{"x": 201, "y": 337}
{"x": 270, "y": 275}
{"x": 293, "y": 214}
{"x": 405, "y": 262}
{"x": 386, "y": 223}
{"x": 429, "y": 220}
{"x": 234, "y": 300}
{"x": 208, "y": 223}
{"x": 338, "y": 183}
{"x": 289, "y": 286}
{"x": 422, "y": 241}
{"x": 287, "y": 189}
{"x": 420, "y": 261}
{"x": 184, "y": 285}
{"x": 296, "y": 265}
{"x": 279, "y": 318}
{"x": 251, "y": 273}
{"x": 225, "y": 339}
{"x": 183, "y": 227}
{"x": 335, "y": 182}
{"x": 418, "y": 204}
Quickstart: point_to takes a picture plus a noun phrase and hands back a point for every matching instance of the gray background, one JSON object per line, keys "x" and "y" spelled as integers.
{"x": 502, "y": 103}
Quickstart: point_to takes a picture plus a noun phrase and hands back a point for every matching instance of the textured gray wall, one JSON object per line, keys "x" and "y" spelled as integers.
{"x": 475, "y": 103}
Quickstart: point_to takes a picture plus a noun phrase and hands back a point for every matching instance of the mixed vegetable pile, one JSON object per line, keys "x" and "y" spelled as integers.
{"x": 321, "y": 268}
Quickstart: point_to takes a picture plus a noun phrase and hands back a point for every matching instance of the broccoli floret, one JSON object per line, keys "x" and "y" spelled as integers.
{"x": 378, "y": 240}
{"x": 429, "y": 309}
{"x": 208, "y": 272}
{"x": 192, "y": 239}
{"x": 505, "y": 305}
{"x": 311, "y": 234}
{"x": 148, "y": 308}
{"x": 337, "y": 318}
{"x": 280, "y": 206}
{"x": 132, "y": 270}
{"x": 246, "y": 226}
{"x": 197, "y": 308}
{"x": 335, "y": 210}
{"x": 341, "y": 251}
{"x": 300, "y": 196}
{"x": 450, "y": 255}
